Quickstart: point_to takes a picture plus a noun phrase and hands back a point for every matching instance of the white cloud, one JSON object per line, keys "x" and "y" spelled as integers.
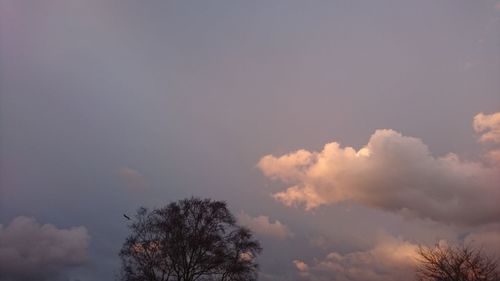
{"x": 31, "y": 251}
{"x": 391, "y": 259}
{"x": 132, "y": 178}
{"x": 394, "y": 173}
{"x": 489, "y": 126}
{"x": 263, "y": 226}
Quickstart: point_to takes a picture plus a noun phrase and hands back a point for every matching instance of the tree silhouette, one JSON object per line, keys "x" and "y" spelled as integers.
{"x": 189, "y": 240}
{"x": 455, "y": 263}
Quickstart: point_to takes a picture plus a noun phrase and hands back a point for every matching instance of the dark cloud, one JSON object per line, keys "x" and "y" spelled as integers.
{"x": 30, "y": 251}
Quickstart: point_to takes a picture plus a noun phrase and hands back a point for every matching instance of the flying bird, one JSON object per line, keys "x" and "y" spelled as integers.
{"x": 127, "y": 217}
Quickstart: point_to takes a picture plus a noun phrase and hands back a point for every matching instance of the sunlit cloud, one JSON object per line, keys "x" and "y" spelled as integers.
{"x": 263, "y": 226}
{"x": 301, "y": 266}
{"x": 29, "y": 249}
{"x": 395, "y": 173}
{"x": 247, "y": 256}
{"x": 391, "y": 259}
{"x": 488, "y": 125}
{"x": 493, "y": 156}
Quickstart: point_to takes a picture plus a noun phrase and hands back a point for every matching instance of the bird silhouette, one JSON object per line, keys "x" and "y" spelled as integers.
{"x": 127, "y": 217}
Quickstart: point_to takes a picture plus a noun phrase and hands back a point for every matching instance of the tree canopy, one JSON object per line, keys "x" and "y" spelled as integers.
{"x": 456, "y": 263}
{"x": 189, "y": 240}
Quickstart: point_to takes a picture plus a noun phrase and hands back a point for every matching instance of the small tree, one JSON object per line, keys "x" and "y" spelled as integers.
{"x": 455, "y": 263}
{"x": 189, "y": 240}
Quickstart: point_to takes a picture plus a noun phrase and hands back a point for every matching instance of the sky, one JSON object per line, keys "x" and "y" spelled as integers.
{"x": 343, "y": 133}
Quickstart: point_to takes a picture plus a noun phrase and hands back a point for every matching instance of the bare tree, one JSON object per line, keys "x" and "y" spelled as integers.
{"x": 189, "y": 240}
{"x": 455, "y": 263}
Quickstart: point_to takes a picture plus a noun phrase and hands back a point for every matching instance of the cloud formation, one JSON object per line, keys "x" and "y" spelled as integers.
{"x": 486, "y": 240}
{"x": 391, "y": 259}
{"x": 395, "y": 173}
{"x": 132, "y": 178}
{"x": 263, "y": 226}
{"x": 489, "y": 126}
{"x": 301, "y": 266}
{"x": 30, "y": 251}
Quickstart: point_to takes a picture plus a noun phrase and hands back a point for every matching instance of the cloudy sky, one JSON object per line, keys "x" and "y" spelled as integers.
{"x": 344, "y": 133}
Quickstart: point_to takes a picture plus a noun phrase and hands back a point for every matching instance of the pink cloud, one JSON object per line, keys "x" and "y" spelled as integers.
{"x": 395, "y": 173}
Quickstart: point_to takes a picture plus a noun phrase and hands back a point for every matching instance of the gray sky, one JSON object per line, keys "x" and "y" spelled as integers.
{"x": 108, "y": 106}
